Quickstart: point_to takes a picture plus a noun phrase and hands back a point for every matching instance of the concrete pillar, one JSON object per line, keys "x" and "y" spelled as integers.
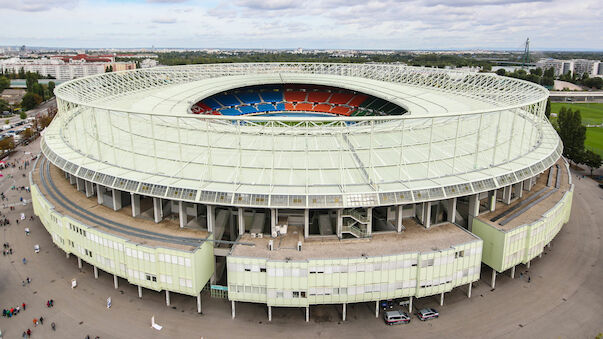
{"x": 469, "y": 290}
{"x": 507, "y": 194}
{"x": 167, "y": 298}
{"x": 79, "y": 184}
{"x": 269, "y": 313}
{"x": 410, "y": 305}
{"x": 452, "y": 210}
{"x": 513, "y": 272}
{"x": 116, "y": 199}
{"x": 99, "y": 194}
{"x": 66, "y": 255}
{"x": 306, "y": 223}
{"x": 272, "y": 221}
{"x": 89, "y": 188}
{"x": 540, "y": 256}
{"x": 157, "y": 207}
{"x": 115, "y": 282}
{"x": 307, "y": 313}
{"x": 139, "y": 291}
{"x": 232, "y": 307}
{"x": 344, "y": 311}
{"x": 369, "y": 227}
{"x": 528, "y": 265}
{"x": 442, "y": 299}
{"x": 518, "y": 189}
{"x": 241, "y": 218}
{"x": 549, "y": 245}
{"x": 493, "y": 282}
{"x": 339, "y": 230}
{"x": 399, "y": 218}
{"x": 135, "y": 199}
{"x": 427, "y": 212}
{"x": 182, "y": 213}
{"x": 473, "y": 209}
{"x": 199, "y": 303}
{"x": 210, "y": 218}
{"x": 492, "y": 198}
{"x": 95, "y": 272}
{"x": 79, "y": 263}
{"x": 72, "y": 179}
{"x": 377, "y": 309}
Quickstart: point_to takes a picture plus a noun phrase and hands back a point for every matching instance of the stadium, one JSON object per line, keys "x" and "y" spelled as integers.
{"x": 300, "y": 184}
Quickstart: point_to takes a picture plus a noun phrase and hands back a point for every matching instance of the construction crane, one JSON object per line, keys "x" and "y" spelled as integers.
{"x": 525, "y": 58}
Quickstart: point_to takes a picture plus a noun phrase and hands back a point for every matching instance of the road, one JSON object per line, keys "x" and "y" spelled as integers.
{"x": 564, "y": 298}
{"x": 31, "y": 113}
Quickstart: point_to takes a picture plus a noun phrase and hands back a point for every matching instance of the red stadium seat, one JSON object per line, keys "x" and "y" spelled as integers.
{"x": 303, "y": 107}
{"x": 322, "y": 108}
{"x": 341, "y": 110}
{"x": 318, "y": 96}
{"x": 289, "y": 106}
{"x": 357, "y": 100}
{"x": 340, "y": 98}
{"x": 295, "y": 96}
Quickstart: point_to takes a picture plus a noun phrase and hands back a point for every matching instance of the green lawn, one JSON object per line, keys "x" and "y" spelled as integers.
{"x": 594, "y": 140}
{"x": 592, "y": 114}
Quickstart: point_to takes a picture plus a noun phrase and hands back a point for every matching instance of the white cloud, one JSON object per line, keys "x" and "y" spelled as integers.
{"x": 382, "y": 24}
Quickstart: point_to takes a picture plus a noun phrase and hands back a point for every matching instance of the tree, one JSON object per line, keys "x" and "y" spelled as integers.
{"x": 30, "y": 100}
{"x": 547, "y": 81}
{"x": 51, "y": 86}
{"x": 547, "y": 110}
{"x": 7, "y": 144}
{"x": 549, "y": 72}
{"x": 38, "y": 89}
{"x": 501, "y": 71}
{"x": 4, "y": 106}
{"x": 536, "y": 71}
{"x": 23, "y": 115}
{"x": 30, "y": 80}
{"x": 592, "y": 160}
{"x": 27, "y": 133}
{"x": 572, "y": 133}
{"x": 4, "y": 83}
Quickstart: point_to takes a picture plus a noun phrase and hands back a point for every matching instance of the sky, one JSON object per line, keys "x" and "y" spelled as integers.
{"x": 324, "y": 24}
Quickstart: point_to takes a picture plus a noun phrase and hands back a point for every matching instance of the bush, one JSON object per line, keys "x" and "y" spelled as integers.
{"x": 23, "y": 115}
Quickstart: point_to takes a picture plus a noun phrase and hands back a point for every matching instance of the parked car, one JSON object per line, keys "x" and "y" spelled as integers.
{"x": 396, "y": 317}
{"x": 427, "y": 313}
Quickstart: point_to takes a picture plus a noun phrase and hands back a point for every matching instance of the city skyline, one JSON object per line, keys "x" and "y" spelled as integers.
{"x": 334, "y": 24}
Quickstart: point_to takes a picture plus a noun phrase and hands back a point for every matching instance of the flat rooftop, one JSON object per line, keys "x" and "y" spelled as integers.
{"x": 415, "y": 238}
{"x": 176, "y": 237}
{"x": 536, "y": 211}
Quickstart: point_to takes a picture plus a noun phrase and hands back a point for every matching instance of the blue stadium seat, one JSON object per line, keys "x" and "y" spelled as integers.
{"x": 280, "y": 107}
{"x": 212, "y": 103}
{"x": 249, "y": 97}
{"x": 227, "y": 100}
{"x": 230, "y": 111}
{"x": 272, "y": 96}
{"x": 248, "y": 109}
{"x": 265, "y": 108}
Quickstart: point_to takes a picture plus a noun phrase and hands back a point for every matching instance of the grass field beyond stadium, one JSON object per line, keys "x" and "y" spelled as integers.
{"x": 592, "y": 114}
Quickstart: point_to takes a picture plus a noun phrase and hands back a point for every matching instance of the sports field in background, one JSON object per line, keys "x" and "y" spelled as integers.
{"x": 592, "y": 114}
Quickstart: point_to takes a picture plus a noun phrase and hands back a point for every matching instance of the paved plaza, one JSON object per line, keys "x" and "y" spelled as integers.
{"x": 563, "y": 298}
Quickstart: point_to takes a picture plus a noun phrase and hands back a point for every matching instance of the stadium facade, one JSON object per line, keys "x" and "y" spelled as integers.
{"x": 297, "y": 184}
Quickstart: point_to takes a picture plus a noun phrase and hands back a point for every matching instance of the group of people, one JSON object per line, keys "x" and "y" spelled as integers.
{"x": 13, "y": 311}
{"x": 7, "y": 249}
{"x": 50, "y": 303}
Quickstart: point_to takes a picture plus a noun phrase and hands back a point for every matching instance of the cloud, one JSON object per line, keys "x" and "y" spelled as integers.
{"x": 166, "y": 1}
{"x": 269, "y": 4}
{"x": 37, "y": 5}
{"x": 164, "y": 20}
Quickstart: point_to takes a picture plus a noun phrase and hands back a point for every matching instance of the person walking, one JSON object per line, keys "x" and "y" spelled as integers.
{"x": 53, "y": 326}
{"x": 35, "y": 322}
{"x": 41, "y": 320}
{"x": 24, "y": 261}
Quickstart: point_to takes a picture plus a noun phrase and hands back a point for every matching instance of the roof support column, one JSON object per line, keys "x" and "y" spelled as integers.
{"x": 507, "y": 194}
{"x": 492, "y": 198}
{"x": 72, "y": 179}
{"x": 306, "y": 223}
{"x": 210, "y": 218}
{"x": 339, "y": 223}
{"x": 519, "y": 189}
{"x": 115, "y": 282}
{"x": 232, "y": 306}
{"x": 116, "y": 199}
{"x": 369, "y": 226}
{"x": 89, "y": 188}
{"x": 79, "y": 184}
{"x": 344, "y": 312}
{"x": 427, "y": 216}
{"x": 199, "y": 302}
{"x": 182, "y": 213}
{"x": 273, "y": 222}
{"x": 452, "y": 210}
{"x": 469, "y": 290}
{"x": 493, "y": 281}
{"x": 99, "y": 194}
{"x": 377, "y": 309}
{"x": 399, "y": 217}
{"x": 473, "y": 209}
{"x": 135, "y": 199}
{"x": 241, "y": 218}
{"x": 157, "y": 210}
